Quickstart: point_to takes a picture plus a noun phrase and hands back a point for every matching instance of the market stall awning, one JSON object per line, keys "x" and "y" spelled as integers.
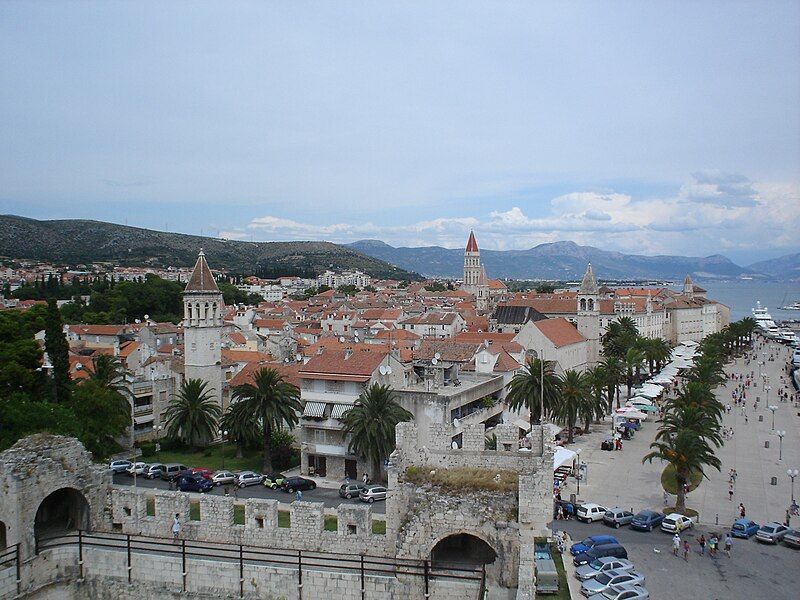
{"x": 314, "y": 409}
{"x": 339, "y": 409}
{"x": 562, "y": 457}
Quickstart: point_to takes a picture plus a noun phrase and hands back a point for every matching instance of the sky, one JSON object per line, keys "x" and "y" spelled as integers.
{"x": 644, "y": 127}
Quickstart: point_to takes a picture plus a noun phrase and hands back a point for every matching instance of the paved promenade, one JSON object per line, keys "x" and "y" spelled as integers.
{"x": 620, "y": 478}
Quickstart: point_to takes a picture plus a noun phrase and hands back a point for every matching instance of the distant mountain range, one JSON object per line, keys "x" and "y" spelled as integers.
{"x": 75, "y": 242}
{"x": 567, "y": 260}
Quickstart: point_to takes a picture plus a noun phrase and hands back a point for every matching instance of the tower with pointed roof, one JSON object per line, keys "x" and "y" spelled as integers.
{"x": 688, "y": 287}
{"x": 588, "y": 313}
{"x": 472, "y": 265}
{"x": 202, "y": 328}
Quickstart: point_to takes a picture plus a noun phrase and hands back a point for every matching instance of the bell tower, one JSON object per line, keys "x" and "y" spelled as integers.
{"x": 588, "y": 311}
{"x": 472, "y": 265}
{"x": 202, "y": 328}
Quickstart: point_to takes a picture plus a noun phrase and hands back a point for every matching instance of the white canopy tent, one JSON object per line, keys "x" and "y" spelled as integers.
{"x": 563, "y": 457}
{"x": 640, "y": 400}
{"x": 629, "y": 412}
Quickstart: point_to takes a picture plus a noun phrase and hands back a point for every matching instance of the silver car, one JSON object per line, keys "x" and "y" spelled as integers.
{"x": 119, "y": 466}
{"x": 771, "y": 533}
{"x": 223, "y": 478}
{"x": 246, "y": 478}
{"x": 609, "y": 580}
{"x": 137, "y": 469}
{"x": 622, "y": 592}
{"x": 602, "y": 565}
{"x": 373, "y": 493}
{"x": 617, "y": 516}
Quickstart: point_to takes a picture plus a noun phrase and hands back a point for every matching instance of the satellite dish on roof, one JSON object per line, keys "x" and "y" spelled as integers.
{"x": 456, "y": 422}
{"x": 341, "y": 339}
{"x": 434, "y": 361}
{"x": 437, "y": 356}
{"x": 388, "y": 370}
{"x": 146, "y": 317}
{"x": 298, "y": 357}
{"x": 78, "y": 366}
{"x": 382, "y": 369}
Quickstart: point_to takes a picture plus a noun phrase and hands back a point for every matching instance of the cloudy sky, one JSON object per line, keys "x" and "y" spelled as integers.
{"x": 644, "y": 127}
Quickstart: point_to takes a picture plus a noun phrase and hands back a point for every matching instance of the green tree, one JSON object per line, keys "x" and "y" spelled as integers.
{"x": 633, "y": 361}
{"x": 232, "y": 295}
{"x": 242, "y": 428}
{"x": 108, "y": 372}
{"x": 574, "y": 400}
{"x": 615, "y": 371}
{"x": 598, "y": 379}
{"x": 271, "y": 402}
{"x": 525, "y": 389}
{"x": 103, "y": 413}
{"x": 58, "y": 352}
{"x": 371, "y": 425}
{"x": 193, "y": 414}
{"x": 21, "y": 416}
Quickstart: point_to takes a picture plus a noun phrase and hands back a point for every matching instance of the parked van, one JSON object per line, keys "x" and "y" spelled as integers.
{"x": 546, "y": 576}
{"x": 172, "y": 471}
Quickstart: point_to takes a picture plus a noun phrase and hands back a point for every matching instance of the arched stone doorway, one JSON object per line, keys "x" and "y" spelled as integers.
{"x": 63, "y": 510}
{"x": 463, "y": 548}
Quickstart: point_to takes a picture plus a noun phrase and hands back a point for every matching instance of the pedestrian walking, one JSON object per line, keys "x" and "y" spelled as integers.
{"x": 298, "y": 495}
{"x": 666, "y": 498}
{"x": 728, "y": 544}
{"x": 712, "y": 545}
{"x": 676, "y": 544}
{"x": 365, "y": 478}
{"x": 742, "y": 511}
{"x": 176, "y": 526}
{"x": 730, "y": 493}
{"x": 686, "y": 550}
{"x": 702, "y": 542}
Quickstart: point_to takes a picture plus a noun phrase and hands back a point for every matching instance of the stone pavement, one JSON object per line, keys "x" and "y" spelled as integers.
{"x": 620, "y": 478}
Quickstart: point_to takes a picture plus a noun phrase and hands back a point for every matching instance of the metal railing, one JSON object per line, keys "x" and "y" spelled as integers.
{"x": 10, "y": 557}
{"x": 237, "y": 554}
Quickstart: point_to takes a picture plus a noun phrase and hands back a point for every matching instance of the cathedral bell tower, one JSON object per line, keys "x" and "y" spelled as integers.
{"x": 588, "y": 300}
{"x": 202, "y": 328}
{"x": 472, "y": 265}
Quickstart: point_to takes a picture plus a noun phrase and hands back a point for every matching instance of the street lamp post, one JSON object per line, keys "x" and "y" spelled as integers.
{"x": 780, "y": 443}
{"x": 773, "y": 408}
{"x": 792, "y": 473}
{"x": 223, "y": 434}
{"x": 159, "y": 429}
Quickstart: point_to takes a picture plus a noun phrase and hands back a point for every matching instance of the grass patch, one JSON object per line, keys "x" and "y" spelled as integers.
{"x": 464, "y": 478}
{"x": 194, "y": 511}
{"x": 212, "y": 458}
{"x": 284, "y": 519}
{"x": 331, "y": 523}
{"x": 238, "y": 514}
{"x": 379, "y": 527}
{"x": 670, "y": 484}
{"x": 150, "y": 507}
{"x": 563, "y": 586}
{"x": 686, "y": 511}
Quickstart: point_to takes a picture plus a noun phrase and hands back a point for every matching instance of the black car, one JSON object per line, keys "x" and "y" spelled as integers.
{"x": 601, "y": 551}
{"x": 292, "y": 484}
{"x": 194, "y": 483}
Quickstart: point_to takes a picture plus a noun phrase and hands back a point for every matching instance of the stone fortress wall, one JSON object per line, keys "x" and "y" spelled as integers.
{"x": 42, "y": 468}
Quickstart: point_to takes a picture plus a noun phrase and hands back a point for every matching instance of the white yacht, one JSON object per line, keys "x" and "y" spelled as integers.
{"x": 764, "y": 319}
{"x": 792, "y": 306}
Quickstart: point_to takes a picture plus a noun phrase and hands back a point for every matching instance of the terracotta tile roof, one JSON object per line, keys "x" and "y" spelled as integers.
{"x": 339, "y": 363}
{"x": 560, "y": 331}
{"x": 126, "y": 349}
{"x": 202, "y": 279}
{"x": 269, "y": 323}
{"x": 448, "y": 350}
{"x": 288, "y": 371}
{"x": 237, "y": 338}
{"x": 506, "y": 362}
{"x": 231, "y": 355}
{"x": 396, "y": 335}
{"x": 98, "y": 329}
{"x": 432, "y": 318}
{"x": 496, "y": 284}
{"x": 480, "y": 337}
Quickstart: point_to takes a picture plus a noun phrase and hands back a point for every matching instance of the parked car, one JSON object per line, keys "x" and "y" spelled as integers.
{"x": 274, "y": 480}
{"x": 622, "y": 592}
{"x": 172, "y": 471}
{"x": 590, "y": 542}
{"x": 590, "y": 512}
{"x": 246, "y": 478}
{"x": 744, "y": 528}
{"x": 647, "y": 520}
{"x": 292, "y": 484}
{"x": 119, "y": 466}
{"x": 792, "y": 538}
{"x": 351, "y": 490}
{"x": 602, "y": 565}
{"x": 373, "y": 493}
{"x": 223, "y": 478}
{"x": 771, "y": 533}
{"x": 153, "y": 471}
{"x": 202, "y": 472}
{"x": 602, "y": 551}
{"x": 616, "y": 517}
{"x": 194, "y": 483}
{"x": 676, "y": 522}
{"x": 604, "y": 581}
{"x": 137, "y": 469}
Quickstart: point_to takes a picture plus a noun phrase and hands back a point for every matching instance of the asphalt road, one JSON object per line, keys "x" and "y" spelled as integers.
{"x": 754, "y": 570}
{"x": 329, "y": 497}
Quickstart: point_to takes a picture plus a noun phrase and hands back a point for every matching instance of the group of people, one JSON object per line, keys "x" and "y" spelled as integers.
{"x": 713, "y": 543}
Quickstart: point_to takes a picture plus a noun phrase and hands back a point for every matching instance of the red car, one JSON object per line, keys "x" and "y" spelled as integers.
{"x": 203, "y": 472}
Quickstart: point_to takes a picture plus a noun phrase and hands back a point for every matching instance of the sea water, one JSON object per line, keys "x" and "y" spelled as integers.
{"x": 741, "y": 296}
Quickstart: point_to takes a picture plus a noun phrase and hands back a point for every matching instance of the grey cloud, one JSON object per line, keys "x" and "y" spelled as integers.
{"x": 722, "y": 189}
{"x": 597, "y": 215}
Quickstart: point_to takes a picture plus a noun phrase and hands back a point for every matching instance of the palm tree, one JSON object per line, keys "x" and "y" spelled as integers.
{"x": 272, "y": 403}
{"x": 708, "y": 371}
{"x": 108, "y": 372}
{"x": 241, "y": 426}
{"x": 574, "y": 400}
{"x": 192, "y": 414}
{"x": 688, "y": 452}
{"x": 634, "y": 358}
{"x": 749, "y": 325}
{"x": 660, "y": 351}
{"x": 371, "y": 425}
{"x": 525, "y": 389}
{"x": 598, "y": 379}
{"x": 615, "y": 370}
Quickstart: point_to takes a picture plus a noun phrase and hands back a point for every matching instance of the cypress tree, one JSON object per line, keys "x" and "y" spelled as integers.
{"x": 58, "y": 351}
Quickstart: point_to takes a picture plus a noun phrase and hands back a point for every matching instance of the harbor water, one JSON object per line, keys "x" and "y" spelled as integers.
{"x": 741, "y": 296}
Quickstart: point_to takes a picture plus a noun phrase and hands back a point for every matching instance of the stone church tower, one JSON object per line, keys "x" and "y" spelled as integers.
{"x": 472, "y": 265}
{"x": 588, "y": 300}
{"x": 202, "y": 328}
{"x": 688, "y": 287}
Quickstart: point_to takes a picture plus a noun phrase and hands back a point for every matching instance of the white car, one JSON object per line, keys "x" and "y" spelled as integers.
{"x": 119, "y": 466}
{"x": 137, "y": 469}
{"x": 223, "y": 478}
{"x": 602, "y": 565}
{"x": 676, "y": 522}
{"x": 622, "y": 592}
{"x": 590, "y": 512}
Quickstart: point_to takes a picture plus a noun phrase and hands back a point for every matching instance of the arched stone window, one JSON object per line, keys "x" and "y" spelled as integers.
{"x": 463, "y": 548}
{"x": 63, "y": 510}
{"x": 583, "y": 303}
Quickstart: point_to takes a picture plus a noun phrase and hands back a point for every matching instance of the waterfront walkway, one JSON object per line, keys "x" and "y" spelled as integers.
{"x": 620, "y": 478}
